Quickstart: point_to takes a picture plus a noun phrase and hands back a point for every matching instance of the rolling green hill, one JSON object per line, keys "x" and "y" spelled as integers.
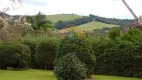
{"x": 63, "y": 17}
{"x": 87, "y": 27}
{"x": 95, "y": 25}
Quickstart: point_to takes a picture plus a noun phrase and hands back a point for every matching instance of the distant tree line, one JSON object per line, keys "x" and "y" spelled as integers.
{"x": 111, "y": 20}
{"x": 64, "y": 24}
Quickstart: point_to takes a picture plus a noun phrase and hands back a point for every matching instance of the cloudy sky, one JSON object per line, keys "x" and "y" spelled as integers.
{"x": 105, "y": 8}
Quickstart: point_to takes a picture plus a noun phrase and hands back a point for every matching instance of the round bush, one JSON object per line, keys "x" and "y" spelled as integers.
{"x": 16, "y": 56}
{"x": 80, "y": 46}
{"x": 24, "y": 52}
{"x": 45, "y": 53}
{"x": 69, "y": 67}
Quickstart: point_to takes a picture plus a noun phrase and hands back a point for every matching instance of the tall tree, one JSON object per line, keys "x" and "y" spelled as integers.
{"x": 39, "y": 21}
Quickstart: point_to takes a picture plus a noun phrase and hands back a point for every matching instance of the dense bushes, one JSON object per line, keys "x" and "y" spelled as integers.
{"x": 15, "y": 56}
{"x": 114, "y": 33}
{"x": 32, "y": 45}
{"x": 45, "y": 53}
{"x": 75, "y": 43}
{"x": 111, "y": 20}
{"x": 120, "y": 56}
{"x": 69, "y": 67}
{"x": 65, "y": 24}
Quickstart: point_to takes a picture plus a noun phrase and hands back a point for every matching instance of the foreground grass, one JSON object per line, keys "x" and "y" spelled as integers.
{"x": 47, "y": 75}
{"x": 27, "y": 75}
{"x": 94, "y": 25}
{"x": 102, "y": 77}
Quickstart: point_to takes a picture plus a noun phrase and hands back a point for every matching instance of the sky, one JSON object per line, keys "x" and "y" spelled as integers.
{"x": 104, "y": 8}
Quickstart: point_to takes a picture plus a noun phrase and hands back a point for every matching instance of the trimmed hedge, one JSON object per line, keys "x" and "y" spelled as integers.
{"x": 118, "y": 57}
{"x": 14, "y": 55}
{"x": 45, "y": 53}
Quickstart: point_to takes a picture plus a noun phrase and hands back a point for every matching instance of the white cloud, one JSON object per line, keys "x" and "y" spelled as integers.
{"x": 106, "y": 8}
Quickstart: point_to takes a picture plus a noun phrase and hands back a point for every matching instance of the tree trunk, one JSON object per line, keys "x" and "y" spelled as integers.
{"x": 132, "y": 12}
{"x": 45, "y": 67}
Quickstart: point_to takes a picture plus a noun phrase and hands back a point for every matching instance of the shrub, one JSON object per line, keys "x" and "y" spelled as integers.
{"x": 8, "y": 57}
{"x": 69, "y": 67}
{"x": 79, "y": 45}
{"x": 24, "y": 52}
{"x": 32, "y": 45}
{"x": 16, "y": 56}
{"x": 133, "y": 35}
{"x": 122, "y": 58}
{"x": 114, "y": 33}
{"x": 45, "y": 53}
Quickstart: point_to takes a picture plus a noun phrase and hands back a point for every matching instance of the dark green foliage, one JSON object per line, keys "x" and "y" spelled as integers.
{"x": 65, "y": 24}
{"x": 133, "y": 35}
{"x": 39, "y": 21}
{"x": 69, "y": 67}
{"x": 32, "y": 45}
{"x": 45, "y": 53}
{"x": 15, "y": 56}
{"x": 121, "y": 57}
{"x": 24, "y": 52}
{"x": 111, "y": 20}
{"x": 114, "y": 33}
{"x": 81, "y": 47}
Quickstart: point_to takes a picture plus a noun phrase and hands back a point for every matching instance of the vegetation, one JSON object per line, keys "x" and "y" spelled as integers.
{"x": 30, "y": 43}
{"x": 15, "y": 56}
{"x": 69, "y": 67}
{"x": 62, "y": 17}
{"x": 48, "y": 75}
{"x": 32, "y": 46}
{"x": 111, "y": 20}
{"x": 27, "y": 74}
{"x": 119, "y": 57}
{"x": 103, "y": 77}
{"x": 80, "y": 45}
{"x": 114, "y": 33}
{"x": 39, "y": 21}
{"x": 66, "y": 24}
{"x": 89, "y": 27}
{"x": 45, "y": 53}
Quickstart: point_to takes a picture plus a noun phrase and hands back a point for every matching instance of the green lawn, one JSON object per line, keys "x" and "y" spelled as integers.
{"x": 63, "y": 17}
{"x": 47, "y": 75}
{"x": 102, "y": 77}
{"x": 27, "y": 75}
{"x": 94, "y": 25}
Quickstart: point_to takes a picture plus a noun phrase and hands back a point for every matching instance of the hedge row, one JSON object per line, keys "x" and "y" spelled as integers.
{"x": 120, "y": 56}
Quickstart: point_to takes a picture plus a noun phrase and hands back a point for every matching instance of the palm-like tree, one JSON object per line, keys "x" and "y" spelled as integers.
{"x": 39, "y": 21}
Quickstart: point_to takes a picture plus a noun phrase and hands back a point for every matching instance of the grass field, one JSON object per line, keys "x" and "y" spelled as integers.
{"x": 94, "y": 25}
{"x": 63, "y": 17}
{"x": 47, "y": 75}
{"x": 102, "y": 77}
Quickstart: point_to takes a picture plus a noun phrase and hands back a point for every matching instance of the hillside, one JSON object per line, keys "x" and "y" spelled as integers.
{"x": 63, "y": 17}
{"x": 95, "y": 25}
{"x": 91, "y": 26}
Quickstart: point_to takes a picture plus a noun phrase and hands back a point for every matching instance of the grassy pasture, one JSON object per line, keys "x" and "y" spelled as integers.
{"x": 63, "y": 17}
{"x": 94, "y": 25}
